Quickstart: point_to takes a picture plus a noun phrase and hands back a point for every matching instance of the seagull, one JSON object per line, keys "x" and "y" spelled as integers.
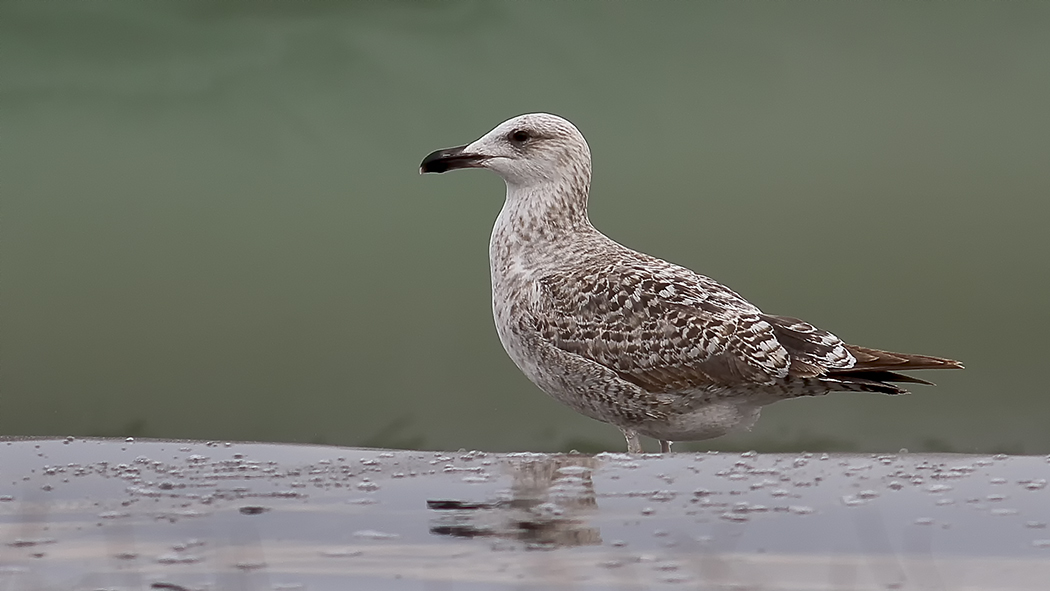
{"x": 629, "y": 339}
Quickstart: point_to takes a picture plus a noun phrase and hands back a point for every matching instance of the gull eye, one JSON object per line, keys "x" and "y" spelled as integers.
{"x": 519, "y": 136}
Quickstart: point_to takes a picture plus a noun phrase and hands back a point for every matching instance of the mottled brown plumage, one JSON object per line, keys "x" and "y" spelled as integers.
{"x": 630, "y": 339}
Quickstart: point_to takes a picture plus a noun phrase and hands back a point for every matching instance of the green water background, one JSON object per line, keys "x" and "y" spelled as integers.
{"x": 212, "y": 226}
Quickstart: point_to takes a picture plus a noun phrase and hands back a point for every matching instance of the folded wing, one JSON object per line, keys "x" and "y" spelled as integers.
{"x": 675, "y": 331}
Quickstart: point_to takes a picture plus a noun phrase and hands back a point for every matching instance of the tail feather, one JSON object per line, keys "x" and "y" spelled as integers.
{"x": 876, "y": 370}
{"x": 868, "y": 359}
{"x": 879, "y": 376}
{"x": 847, "y": 384}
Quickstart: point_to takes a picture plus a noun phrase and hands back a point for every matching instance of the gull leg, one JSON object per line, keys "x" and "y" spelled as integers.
{"x": 665, "y": 446}
{"x": 634, "y": 446}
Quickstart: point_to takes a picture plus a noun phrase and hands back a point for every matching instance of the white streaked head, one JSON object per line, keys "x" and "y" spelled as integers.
{"x": 528, "y": 150}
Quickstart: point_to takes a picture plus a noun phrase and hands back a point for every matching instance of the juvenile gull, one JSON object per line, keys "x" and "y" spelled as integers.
{"x": 630, "y": 339}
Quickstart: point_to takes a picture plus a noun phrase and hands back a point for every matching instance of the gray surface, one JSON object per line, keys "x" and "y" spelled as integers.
{"x": 109, "y": 514}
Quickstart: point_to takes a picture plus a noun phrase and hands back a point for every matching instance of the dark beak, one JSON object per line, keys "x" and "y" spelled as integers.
{"x": 449, "y": 159}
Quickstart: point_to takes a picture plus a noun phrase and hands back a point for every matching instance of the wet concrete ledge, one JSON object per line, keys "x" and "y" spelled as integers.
{"x": 175, "y": 515}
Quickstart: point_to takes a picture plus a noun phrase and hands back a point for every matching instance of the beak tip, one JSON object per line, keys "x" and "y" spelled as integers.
{"x": 434, "y": 166}
{"x": 448, "y": 159}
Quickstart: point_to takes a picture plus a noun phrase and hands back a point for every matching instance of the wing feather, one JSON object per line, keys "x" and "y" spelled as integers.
{"x": 670, "y": 330}
{"x": 661, "y": 327}
{"x": 813, "y": 351}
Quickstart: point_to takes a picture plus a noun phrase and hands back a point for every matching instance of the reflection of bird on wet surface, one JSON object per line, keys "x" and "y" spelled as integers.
{"x": 629, "y": 339}
{"x": 547, "y": 499}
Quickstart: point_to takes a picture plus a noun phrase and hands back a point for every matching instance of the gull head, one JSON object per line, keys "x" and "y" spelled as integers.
{"x": 528, "y": 150}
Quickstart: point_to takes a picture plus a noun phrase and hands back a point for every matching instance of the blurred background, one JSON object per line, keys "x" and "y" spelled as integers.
{"x": 212, "y": 225}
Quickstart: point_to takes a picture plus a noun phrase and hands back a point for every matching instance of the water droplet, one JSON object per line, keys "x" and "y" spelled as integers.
{"x": 179, "y": 559}
{"x": 341, "y": 552}
{"x": 367, "y": 486}
{"x": 371, "y": 534}
{"x": 30, "y": 542}
{"x": 548, "y": 510}
{"x": 938, "y": 488}
{"x": 1004, "y": 511}
{"x": 895, "y": 485}
{"x": 1041, "y": 543}
{"x": 113, "y": 514}
{"x": 924, "y": 521}
{"x": 852, "y": 501}
{"x": 662, "y": 496}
